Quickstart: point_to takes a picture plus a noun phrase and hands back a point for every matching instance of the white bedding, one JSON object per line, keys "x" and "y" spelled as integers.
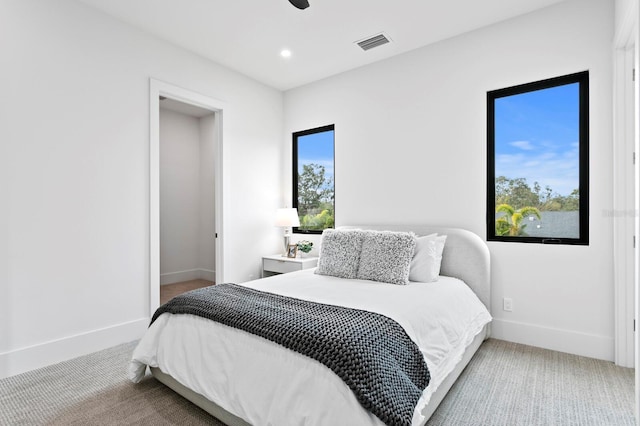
{"x": 265, "y": 384}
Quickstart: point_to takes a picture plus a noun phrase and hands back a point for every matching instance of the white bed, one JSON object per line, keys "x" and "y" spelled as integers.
{"x": 244, "y": 379}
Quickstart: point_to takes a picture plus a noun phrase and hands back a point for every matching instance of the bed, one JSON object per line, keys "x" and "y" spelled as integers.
{"x": 243, "y": 379}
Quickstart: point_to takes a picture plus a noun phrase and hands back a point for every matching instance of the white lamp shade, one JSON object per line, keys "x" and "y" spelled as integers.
{"x": 287, "y": 217}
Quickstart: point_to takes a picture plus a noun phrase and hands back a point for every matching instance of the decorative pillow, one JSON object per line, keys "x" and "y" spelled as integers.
{"x": 386, "y": 256}
{"x": 425, "y": 265}
{"x": 340, "y": 253}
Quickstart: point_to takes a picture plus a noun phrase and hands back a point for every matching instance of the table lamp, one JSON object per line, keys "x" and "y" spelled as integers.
{"x": 287, "y": 218}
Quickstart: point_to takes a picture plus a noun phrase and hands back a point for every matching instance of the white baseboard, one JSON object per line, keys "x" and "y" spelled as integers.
{"x": 589, "y": 345}
{"x": 206, "y": 274}
{"x": 41, "y": 355}
{"x": 188, "y": 275}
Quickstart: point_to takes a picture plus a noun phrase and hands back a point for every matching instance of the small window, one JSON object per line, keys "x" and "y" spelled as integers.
{"x": 313, "y": 179}
{"x": 538, "y": 162}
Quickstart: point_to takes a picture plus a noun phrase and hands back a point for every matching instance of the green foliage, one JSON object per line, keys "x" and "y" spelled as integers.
{"x": 318, "y": 222}
{"x": 515, "y": 192}
{"x": 510, "y": 223}
{"x": 313, "y": 187}
{"x": 305, "y": 246}
{"x": 518, "y": 193}
{"x": 315, "y": 198}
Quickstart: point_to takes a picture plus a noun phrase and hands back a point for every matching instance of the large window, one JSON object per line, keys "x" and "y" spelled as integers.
{"x": 313, "y": 179}
{"x": 538, "y": 161}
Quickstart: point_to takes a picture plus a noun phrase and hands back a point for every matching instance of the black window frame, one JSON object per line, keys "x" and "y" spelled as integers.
{"x": 582, "y": 78}
{"x": 295, "y": 136}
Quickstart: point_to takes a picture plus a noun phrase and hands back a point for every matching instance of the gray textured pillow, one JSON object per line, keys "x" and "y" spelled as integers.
{"x": 340, "y": 252}
{"x": 386, "y": 256}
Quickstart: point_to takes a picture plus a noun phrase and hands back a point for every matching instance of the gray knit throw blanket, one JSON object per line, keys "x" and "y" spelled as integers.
{"x": 370, "y": 352}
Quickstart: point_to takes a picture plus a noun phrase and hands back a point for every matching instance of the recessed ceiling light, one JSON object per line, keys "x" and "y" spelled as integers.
{"x": 285, "y": 53}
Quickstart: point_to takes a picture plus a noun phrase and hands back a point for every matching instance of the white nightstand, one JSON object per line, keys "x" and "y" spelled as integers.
{"x": 278, "y": 264}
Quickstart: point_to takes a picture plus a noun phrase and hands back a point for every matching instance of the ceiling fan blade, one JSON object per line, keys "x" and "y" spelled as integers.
{"x": 300, "y": 4}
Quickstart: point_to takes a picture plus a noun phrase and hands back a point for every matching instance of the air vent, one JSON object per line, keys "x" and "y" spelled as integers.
{"x": 374, "y": 41}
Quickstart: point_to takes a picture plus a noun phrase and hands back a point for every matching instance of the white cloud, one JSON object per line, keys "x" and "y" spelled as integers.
{"x": 525, "y": 145}
{"x": 558, "y": 170}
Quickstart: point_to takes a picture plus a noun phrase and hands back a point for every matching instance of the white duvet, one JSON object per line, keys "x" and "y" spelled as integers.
{"x": 266, "y": 384}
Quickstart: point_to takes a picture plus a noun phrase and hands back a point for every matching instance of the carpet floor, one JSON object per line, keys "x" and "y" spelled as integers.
{"x": 505, "y": 384}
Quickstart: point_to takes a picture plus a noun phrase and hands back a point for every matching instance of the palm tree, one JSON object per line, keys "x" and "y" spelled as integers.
{"x": 511, "y": 222}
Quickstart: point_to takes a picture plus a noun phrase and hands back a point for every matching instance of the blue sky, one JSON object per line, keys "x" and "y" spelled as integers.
{"x": 536, "y": 137}
{"x": 316, "y": 148}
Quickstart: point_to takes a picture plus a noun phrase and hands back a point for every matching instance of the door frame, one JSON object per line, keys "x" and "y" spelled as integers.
{"x": 159, "y": 88}
{"x": 624, "y": 206}
{"x": 626, "y": 124}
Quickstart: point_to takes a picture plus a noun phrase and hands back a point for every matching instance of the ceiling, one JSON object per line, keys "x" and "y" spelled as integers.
{"x": 248, "y": 36}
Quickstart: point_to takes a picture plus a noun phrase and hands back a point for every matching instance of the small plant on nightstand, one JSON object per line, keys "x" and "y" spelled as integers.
{"x": 305, "y": 246}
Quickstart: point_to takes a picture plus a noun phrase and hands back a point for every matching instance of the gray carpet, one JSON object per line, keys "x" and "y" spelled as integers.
{"x": 505, "y": 384}
{"x": 511, "y": 384}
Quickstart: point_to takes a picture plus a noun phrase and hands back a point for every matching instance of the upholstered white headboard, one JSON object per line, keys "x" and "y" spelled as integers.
{"x": 466, "y": 255}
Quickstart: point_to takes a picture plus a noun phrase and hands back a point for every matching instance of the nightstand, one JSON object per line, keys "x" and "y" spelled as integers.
{"x": 278, "y": 264}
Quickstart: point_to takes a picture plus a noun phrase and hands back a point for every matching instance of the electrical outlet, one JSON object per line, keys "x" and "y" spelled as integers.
{"x": 507, "y": 304}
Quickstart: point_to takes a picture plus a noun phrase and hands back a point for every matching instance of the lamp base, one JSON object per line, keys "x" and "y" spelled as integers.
{"x": 287, "y": 240}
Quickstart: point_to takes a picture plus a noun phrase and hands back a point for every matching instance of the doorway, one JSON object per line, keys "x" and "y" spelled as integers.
{"x": 185, "y": 163}
{"x": 187, "y": 197}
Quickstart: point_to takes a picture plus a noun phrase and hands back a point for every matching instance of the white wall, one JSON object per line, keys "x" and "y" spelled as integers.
{"x": 74, "y": 165}
{"x": 207, "y": 242}
{"x": 187, "y": 243}
{"x": 179, "y": 192}
{"x": 411, "y": 147}
{"x": 622, "y": 9}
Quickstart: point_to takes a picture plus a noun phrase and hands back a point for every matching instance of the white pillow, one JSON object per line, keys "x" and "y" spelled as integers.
{"x": 340, "y": 252}
{"x": 425, "y": 265}
{"x": 386, "y": 256}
